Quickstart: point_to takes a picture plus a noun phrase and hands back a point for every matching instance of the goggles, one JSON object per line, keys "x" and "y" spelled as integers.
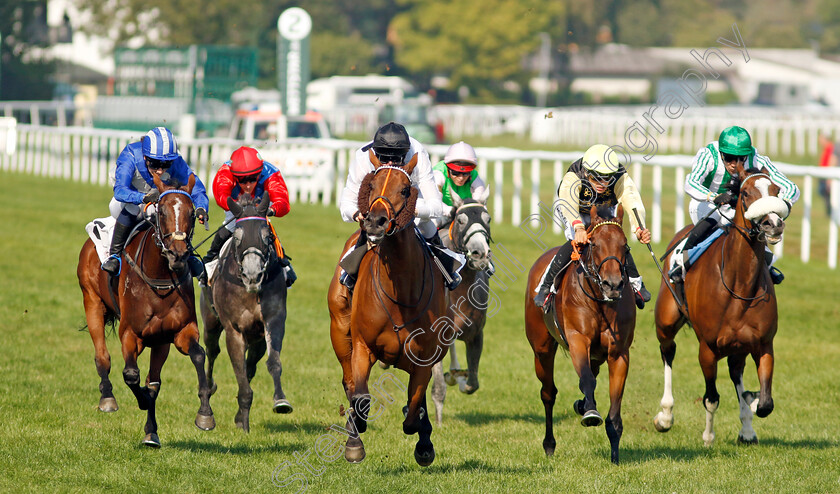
{"x": 247, "y": 179}
{"x": 459, "y": 174}
{"x": 390, "y": 155}
{"x": 731, "y": 158}
{"x": 158, "y": 164}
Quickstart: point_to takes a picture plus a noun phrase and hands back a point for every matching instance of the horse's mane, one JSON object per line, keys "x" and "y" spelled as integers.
{"x": 363, "y": 203}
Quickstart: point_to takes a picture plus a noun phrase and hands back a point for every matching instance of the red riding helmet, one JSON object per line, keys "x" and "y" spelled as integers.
{"x": 245, "y": 161}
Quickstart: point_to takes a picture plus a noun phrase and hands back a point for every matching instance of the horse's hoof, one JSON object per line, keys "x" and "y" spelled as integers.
{"x": 449, "y": 379}
{"x": 205, "y": 422}
{"x": 108, "y": 405}
{"x": 549, "y": 448}
{"x": 151, "y": 440}
{"x": 662, "y": 425}
{"x": 383, "y": 365}
{"x": 577, "y": 406}
{"x": 424, "y": 458}
{"x": 747, "y": 441}
{"x": 282, "y": 406}
{"x": 354, "y": 454}
{"x": 591, "y": 419}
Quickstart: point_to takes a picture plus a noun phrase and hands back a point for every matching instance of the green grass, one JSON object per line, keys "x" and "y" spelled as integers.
{"x": 54, "y": 439}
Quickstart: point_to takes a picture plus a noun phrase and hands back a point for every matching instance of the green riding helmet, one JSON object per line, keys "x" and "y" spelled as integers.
{"x": 735, "y": 141}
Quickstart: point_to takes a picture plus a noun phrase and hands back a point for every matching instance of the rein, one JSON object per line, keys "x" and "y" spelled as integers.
{"x": 393, "y": 214}
{"x": 265, "y": 257}
{"x": 157, "y": 284}
{"x": 593, "y": 275}
{"x": 460, "y": 243}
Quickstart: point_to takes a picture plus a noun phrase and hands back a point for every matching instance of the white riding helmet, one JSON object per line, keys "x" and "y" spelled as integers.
{"x": 601, "y": 160}
{"x": 461, "y": 151}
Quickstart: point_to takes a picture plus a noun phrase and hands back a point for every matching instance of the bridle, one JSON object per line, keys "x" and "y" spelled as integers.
{"x": 460, "y": 241}
{"x": 592, "y": 272}
{"x": 393, "y": 213}
{"x": 264, "y": 254}
{"x": 177, "y": 235}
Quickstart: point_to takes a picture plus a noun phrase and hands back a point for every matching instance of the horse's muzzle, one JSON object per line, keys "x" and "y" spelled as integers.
{"x": 772, "y": 228}
{"x": 376, "y": 226}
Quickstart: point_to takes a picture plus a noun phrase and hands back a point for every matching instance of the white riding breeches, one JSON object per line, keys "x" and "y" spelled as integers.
{"x": 698, "y": 209}
{"x": 116, "y": 207}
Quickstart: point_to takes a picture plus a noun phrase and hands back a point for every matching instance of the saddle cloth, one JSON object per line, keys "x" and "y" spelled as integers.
{"x": 100, "y": 231}
{"x": 678, "y": 257}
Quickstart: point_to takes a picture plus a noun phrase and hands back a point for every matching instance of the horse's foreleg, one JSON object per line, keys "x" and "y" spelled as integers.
{"x": 417, "y": 415}
{"x": 764, "y": 363}
{"x": 711, "y": 398}
{"x": 474, "y": 349}
{"x": 544, "y": 368}
{"x": 95, "y": 316}
{"x": 361, "y": 362}
{"x": 186, "y": 341}
{"x": 131, "y": 348}
{"x": 736, "y": 372}
{"x": 579, "y": 351}
{"x": 424, "y": 450}
{"x": 236, "y": 351}
{"x": 665, "y": 418}
{"x": 438, "y": 390}
{"x": 618, "y": 376}
{"x": 151, "y": 391}
{"x": 275, "y": 330}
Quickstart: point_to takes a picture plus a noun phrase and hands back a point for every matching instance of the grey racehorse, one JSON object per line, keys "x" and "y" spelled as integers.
{"x": 469, "y": 234}
{"x": 247, "y": 298}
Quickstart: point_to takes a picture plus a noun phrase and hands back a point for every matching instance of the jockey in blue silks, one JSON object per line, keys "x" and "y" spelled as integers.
{"x": 156, "y": 152}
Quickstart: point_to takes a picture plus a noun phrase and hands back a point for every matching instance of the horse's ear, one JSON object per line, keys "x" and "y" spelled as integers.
{"x": 593, "y": 215}
{"x": 411, "y": 164}
{"x": 457, "y": 202}
{"x": 374, "y": 159}
{"x": 190, "y": 183}
{"x": 158, "y": 182}
{"x": 482, "y": 198}
{"x": 262, "y": 207}
{"x": 619, "y": 214}
{"x": 234, "y": 207}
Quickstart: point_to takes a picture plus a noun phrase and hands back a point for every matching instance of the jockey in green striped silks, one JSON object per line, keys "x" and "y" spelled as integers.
{"x": 708, "y": 186}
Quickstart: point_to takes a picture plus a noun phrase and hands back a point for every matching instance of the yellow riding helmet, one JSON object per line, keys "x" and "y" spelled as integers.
{"x": 601, "y": 160}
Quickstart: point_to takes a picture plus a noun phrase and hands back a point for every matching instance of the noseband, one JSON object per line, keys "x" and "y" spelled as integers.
{"x": 755, "y": 232}
{"x": 592, "y": 272}
{"x": 460, "y": 241}
{"x": 389, "y": 207}
{"x": 177, "y": 235}
{"x": 264, "y": 257}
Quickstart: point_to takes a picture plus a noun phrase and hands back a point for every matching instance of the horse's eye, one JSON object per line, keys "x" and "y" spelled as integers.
{"x": 406, "y": 191}
{"x": 486, "y": 217}
{"x": 462, "y": 219}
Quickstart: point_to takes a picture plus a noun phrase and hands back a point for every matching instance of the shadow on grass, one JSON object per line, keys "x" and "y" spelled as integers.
{"x": 236, "y": 449}
{"x": 464, "y": 466}
{"x": 638, "y": 456}
{"x": 479, "y": 418}
{"x": 797, "y": 444}
{"x": 296, "y": 427}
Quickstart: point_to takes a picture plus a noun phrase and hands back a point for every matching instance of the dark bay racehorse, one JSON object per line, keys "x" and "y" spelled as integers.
{"x": 732, "y": 306}
{"x": 394, "y": 313}
{"x": 155, "y": 302}
{"x": 247, "y": 298}
{"x": 593, "y": 316}
{"x": 469, "y": 234}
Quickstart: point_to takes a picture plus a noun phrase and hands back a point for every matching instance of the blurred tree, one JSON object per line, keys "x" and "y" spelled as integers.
{"x": 478, "y": 46}
{"x": 829, "y": 23}
{"x": 24, "y": 74}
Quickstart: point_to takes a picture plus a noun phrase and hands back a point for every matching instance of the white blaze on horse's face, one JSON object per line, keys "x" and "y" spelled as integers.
{"x": 768, "y": 211}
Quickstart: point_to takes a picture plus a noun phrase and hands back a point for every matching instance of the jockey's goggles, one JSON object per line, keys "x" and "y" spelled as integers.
{"x": 390, "y": 155}
{"x": 601, "y": 177}
{"x": 459, "y": 174}
{"x": 731, "y": 158}
{"x": 247, "y": 179}
{"x": 158, "y": 164}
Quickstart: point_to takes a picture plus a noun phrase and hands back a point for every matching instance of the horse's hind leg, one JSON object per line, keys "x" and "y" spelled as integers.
{"x": 236, "y": 350}
{"x": 618, "y": 377}
{"x": 275, "y": 330}
{"x": 95, "y": 315}
{"x": 212, "y": 332}
{"x": 474, "y": 348}
{"x": 664, "y": 419}
{"x": 736, "y": 372}
{"x": 544, "y": 368}
{"x": 711, "y": 398}
{"x": 438, "y": 390}
{"x": 187, "y": 343}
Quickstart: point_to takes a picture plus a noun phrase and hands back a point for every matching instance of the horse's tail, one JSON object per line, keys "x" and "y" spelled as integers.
{"x": 111, "y": 321}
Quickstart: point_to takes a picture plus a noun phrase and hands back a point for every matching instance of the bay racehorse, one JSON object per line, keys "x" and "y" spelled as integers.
{"x": 247, "y": 299}
{"x": 593, "y": 316}
{"x": 155, "y": 303}
{"x": 468, "y": 234}
{"x": 395, "y": 313}
{"x": 731, "y": 304}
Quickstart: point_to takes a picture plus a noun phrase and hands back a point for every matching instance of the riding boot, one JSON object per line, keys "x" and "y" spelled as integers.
{"x": 196, "y": 267}
{"x": 776, "y": 276}
{"x": 695, "y": 236}
{"x": 113, "y": 264}
{"x": 561, "y": 259}
{"x": 352, "y": 260}
{"x": 447, "y": 262}
{"x": 218, "y": 242}
{"x": 642, "y": 295}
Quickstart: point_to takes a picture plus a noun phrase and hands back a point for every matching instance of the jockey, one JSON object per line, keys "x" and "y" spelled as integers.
{"x": 456, "y": 172}
{"x": 247, "y": 172}
{"x": 708, "y": 187}
{"x": 392, "y": 146}
{"x": 596, "y": 180}
{"x": 156, "y": 153}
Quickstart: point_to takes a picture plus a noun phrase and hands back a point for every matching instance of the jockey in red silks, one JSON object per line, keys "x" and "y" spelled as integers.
{"x": 246, "y": 172}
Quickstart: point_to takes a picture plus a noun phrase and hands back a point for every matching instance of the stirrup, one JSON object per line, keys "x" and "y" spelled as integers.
{"x": 676, "y": 274}
{"x": 347, "y": 280}
{"x": 291, "y": 276}
{"x": 456, "y": 280}
{"x": 776, "y": 276}
{"x": 108, "y": 266}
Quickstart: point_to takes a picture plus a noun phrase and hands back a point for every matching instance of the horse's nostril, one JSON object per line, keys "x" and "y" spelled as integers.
{"x": 381, "y": 221}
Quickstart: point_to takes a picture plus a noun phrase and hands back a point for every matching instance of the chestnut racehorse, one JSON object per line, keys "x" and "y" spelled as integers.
{"x": 155, "y": 303}
{"x": 732, "y": 306}
{"x": 593, "y": 316}
{"x": 393, "y": 313}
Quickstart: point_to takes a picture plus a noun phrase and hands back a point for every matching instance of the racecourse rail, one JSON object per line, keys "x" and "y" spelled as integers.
{"x": 88, "y": 155}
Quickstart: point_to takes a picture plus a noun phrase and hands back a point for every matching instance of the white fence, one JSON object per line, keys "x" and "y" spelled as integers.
{"x": 87, "y": 155}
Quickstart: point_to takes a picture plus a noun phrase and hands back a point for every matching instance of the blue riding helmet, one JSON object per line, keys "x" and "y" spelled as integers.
{"x": 159, "y": 144}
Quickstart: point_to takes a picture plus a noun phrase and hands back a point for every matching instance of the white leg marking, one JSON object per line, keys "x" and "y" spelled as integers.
{"x": 747, "y": 433}
{"x": 709, "y": 433}
{"x": 665, "y": 418}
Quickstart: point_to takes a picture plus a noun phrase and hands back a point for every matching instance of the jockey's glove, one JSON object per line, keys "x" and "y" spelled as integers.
{"x": 726, "y": 198}
{"x": 151, "y": 196}
{"x": 271, "y": 212}
{"x": 201, "y": 215}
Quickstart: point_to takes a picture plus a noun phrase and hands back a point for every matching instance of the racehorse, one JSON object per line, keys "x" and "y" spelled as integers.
{"x": 593, "y": 317}
{"x": 394, "y": 313}
{"x": 731, "y": 303}
{"x": 155, "y": 303}
{"x": 247, "y": 298}
{"x": 468, "y": 234}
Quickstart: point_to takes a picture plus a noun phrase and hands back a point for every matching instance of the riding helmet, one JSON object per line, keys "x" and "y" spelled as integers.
{"x": 735, "y": 141}
{"x": 159, "y": 144}
{"x": 245, "y": 161}
{"x": 460, "y": 157}
{"x": 389, "y": 138}
{"x": 600, "y": 159}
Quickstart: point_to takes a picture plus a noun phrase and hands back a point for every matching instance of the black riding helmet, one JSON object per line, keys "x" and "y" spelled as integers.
{"x": 390, "y": 143}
